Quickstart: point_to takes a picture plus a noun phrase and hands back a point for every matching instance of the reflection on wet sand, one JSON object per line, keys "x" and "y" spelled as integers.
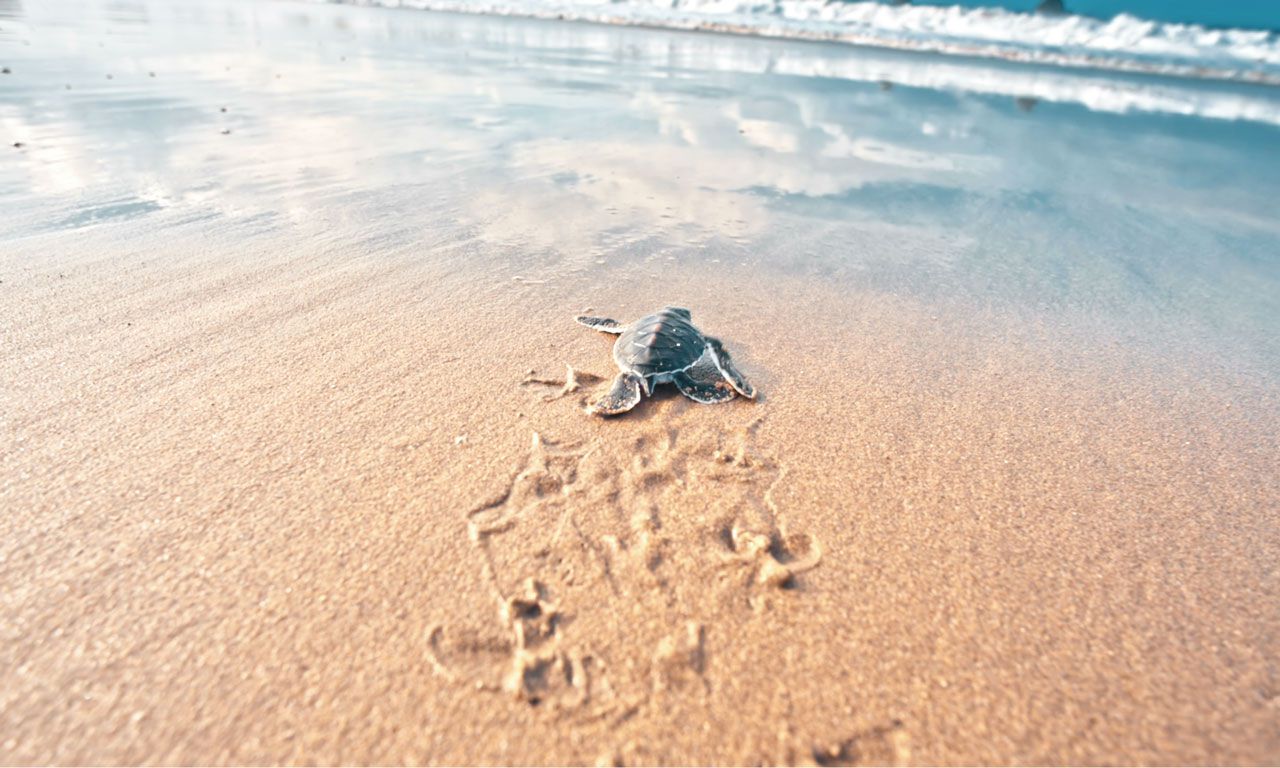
{"x": 682, "y": 140}
{"x": 685, "y": 140}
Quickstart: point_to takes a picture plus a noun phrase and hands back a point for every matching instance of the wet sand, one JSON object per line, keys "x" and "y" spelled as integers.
{"x": 315, "y": 494}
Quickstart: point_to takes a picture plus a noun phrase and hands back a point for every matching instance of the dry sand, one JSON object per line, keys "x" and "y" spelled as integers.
{"x": 295, "y": 506}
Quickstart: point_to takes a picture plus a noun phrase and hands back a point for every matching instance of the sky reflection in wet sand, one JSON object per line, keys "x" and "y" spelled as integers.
{"x": 569, "y": 145}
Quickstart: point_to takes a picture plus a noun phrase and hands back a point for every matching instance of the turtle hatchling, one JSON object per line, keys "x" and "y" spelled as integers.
{"x": 666, "y": 347}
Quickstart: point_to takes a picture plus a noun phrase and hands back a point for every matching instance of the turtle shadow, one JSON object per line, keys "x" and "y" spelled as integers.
{"x": 657, "y": 405}
{"x": 667, "y": 401}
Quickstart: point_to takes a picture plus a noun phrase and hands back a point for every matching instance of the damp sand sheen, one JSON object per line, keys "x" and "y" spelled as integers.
{"x": 294, "y": 459}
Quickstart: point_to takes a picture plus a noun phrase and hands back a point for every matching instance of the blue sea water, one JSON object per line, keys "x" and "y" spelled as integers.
{"x": 1247, "y": 14}
{"x": 1178, "y": 40}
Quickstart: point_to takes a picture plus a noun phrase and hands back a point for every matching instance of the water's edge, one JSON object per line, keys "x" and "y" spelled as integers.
{"x": 1125, "y": 43}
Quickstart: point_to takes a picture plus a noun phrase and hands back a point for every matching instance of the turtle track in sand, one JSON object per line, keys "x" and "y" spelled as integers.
{"x": 618, "y": 571}
{"x": 540, "y": 561}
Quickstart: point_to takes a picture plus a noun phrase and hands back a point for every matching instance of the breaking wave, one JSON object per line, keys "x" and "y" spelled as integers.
{"x": 1125, "y": 43}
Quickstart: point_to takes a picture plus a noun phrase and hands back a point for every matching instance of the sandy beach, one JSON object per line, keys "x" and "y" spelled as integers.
{"x": 295, "y": 463}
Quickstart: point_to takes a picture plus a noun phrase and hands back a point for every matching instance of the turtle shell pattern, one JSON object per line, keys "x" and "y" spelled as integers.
{"x": 663, "y": 342}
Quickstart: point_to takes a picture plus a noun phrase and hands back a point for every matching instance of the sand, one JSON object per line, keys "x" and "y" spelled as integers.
{"x": 324, "y": 493}
{"x": 317, "y": 516}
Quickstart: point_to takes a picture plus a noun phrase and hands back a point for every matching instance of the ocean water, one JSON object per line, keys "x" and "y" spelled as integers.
{"x": 1141, "y": 203}
{"x": 1248, "y": 14}
{"x": 1135, "y": 37}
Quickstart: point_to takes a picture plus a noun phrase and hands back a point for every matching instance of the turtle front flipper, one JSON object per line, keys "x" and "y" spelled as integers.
{"x": 622, "y": 397}
{"x": 702, "y": 382}
{"x": 725, "y": 364}
{"x": 603, "y": 324}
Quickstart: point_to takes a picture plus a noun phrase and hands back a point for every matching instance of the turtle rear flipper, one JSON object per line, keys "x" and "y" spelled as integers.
{"x": 703, "y": 383}
{"x": 725, "y": 364}
{"x": 603, "y": 324}
{"x": 622, "y": 397}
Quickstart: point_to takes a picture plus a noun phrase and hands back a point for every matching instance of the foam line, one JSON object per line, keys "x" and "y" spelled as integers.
{"x": 1124, "y": 43}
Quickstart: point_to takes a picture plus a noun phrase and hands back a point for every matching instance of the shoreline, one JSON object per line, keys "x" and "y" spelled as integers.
{"x": 1113, "y": 65}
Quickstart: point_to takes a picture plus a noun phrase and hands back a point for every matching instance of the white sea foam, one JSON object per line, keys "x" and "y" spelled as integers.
{"x": 1096, "y": 93}
{"x": 1125, "y": 42}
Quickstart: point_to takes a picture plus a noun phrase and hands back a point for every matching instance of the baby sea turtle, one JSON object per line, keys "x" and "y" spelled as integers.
{"x": 666, "y": 347}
